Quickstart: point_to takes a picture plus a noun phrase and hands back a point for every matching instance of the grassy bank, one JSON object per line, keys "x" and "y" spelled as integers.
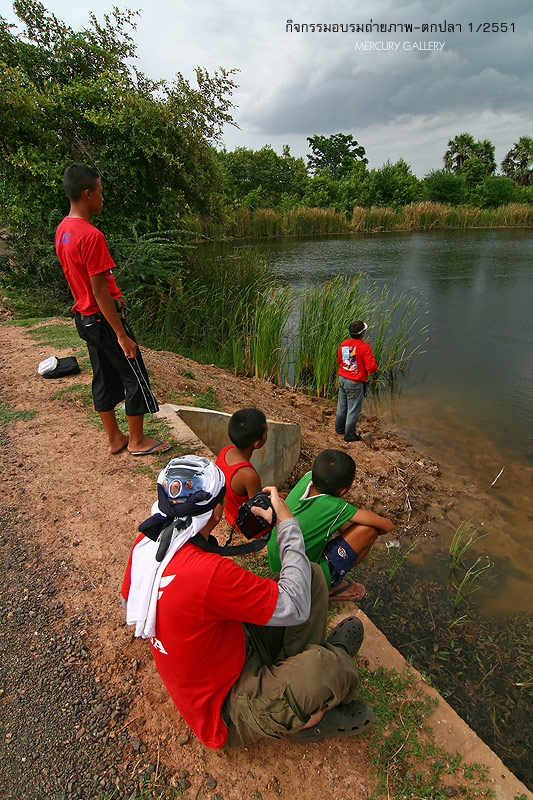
{"x": 242, "y": 223}
{"x": 482, "y": 666}
{"x": 231, "y": 310}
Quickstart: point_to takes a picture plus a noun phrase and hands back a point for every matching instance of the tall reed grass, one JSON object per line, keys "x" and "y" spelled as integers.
{"x": 266, "y": 354}
{"x": 232, "y": 310}
{"x": 241, "y": 223}
{"x": 209, "y": 309}
{"x": 326, "y": 310}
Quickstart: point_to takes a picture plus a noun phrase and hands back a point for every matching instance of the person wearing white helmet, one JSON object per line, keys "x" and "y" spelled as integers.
{"x": 243, "y": 657}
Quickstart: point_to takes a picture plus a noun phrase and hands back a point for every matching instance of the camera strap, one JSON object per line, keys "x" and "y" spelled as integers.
{"x": 212, "y": 546}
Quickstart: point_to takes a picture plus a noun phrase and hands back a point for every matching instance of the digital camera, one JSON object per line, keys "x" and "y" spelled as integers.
{"x": 249, "y": 524}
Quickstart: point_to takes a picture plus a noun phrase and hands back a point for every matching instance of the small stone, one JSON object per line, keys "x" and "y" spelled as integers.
{"x": 409, "y": 775}
{"x": 184, "y": 773}
{"x": 183, "y": 783}
{"x": 136, "y": 744}
{"x": 211, "y": 783}
{"x": 184, "y": 739}
{"x": 450, "y": 791}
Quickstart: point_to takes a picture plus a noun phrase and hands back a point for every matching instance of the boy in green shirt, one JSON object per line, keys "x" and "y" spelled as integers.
{"x": 317, "y": 503}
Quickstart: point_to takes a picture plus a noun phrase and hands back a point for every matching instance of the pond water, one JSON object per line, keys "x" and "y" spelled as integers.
{"x": 467, "y": 400}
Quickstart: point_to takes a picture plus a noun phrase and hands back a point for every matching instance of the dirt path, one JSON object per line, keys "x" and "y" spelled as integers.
{"x": 82, "y": 709}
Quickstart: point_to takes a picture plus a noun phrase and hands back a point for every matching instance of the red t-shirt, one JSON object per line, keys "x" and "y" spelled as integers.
{"x": 82, "y": 251}
{"x": 233, "y": 500}
{"x": 199, "y": 648}
{"x": 356, "y": 360}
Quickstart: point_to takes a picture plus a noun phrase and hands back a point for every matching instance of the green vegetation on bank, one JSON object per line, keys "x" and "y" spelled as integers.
{"x": 232, "y": 310}
{"x": 482, "y": 666}
{"x": 74, "y": 96}
{"x": 242, "y": 223}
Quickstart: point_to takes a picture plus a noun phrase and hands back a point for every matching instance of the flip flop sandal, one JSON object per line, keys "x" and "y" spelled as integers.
{"x": 152, "y": 449}
{"x": 346, "y": 719}
{"x": 349, "y": 634}
{"x": 338, "y": 592}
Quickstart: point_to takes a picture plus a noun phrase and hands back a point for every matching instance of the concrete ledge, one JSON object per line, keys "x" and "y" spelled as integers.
{"x": 451, "y": 731}
{"x": 274, "y": 462}
{"x": 182, "y": 433}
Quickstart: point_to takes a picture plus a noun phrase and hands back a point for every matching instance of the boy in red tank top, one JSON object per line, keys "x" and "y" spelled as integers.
{"x": 248, "y": 431}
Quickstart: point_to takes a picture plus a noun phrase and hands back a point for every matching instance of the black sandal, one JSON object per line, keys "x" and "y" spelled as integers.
{"x": 349, "y": 634}
{"x": 346, "y": 719}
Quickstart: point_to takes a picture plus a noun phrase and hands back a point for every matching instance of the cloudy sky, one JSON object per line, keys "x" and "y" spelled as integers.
{"x": 396, "y": 100}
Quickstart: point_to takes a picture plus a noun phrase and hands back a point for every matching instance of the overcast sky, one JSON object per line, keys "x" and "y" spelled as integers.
{"x": 397, "y": 103}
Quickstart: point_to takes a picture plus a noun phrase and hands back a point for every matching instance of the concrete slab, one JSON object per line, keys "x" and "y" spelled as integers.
{"x": 274, "y": 462}
{"x": 451, "y": 731}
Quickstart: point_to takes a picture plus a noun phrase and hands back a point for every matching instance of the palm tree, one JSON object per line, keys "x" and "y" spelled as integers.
{"x": 518, "y": 163}
{"x": 459, "y": 150}
{"x": 485, "y": 152}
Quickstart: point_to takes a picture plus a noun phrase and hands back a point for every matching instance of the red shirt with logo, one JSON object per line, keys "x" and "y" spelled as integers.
{"x": 199, "y": 647}
{"x": 82, "y": 251}
{"x": 356, "y": 360}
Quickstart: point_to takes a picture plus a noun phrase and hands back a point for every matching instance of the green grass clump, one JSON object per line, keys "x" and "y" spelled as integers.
{"x": 463, "y": 539}
{"x": 75, "y": 393}
{"x": 207, "y": 399}
{"x": 207, "y": 310}
{"x": 25, "y": 322}
{"x": 325, "y": 312}
{"x": 402, "y": 741}
{"x": 9, "y": 414}
{"x": 254, "y": 562}
{"x": 58, "y": 335}
{"x": 265, "y": 352}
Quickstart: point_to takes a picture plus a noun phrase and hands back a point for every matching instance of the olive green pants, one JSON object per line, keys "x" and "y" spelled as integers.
{"x": 288, "y": 675}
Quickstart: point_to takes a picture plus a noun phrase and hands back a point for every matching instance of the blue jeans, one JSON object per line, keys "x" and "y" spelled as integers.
{"x": 349, "y": 406}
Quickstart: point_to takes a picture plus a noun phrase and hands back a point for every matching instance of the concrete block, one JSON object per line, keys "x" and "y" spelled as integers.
{"x": 274, "y": 462}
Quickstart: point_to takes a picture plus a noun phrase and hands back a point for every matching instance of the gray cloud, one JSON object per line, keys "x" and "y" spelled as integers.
{"x": 294, "y": 85}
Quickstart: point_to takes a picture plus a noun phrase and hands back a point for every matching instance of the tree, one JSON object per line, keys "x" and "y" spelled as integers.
{"x": 71, "y": 96}
{"x": 485, "y": 152}
{"x": 499, "y": 191}
{"x": 442, "y": 186}
{"x": 355, "y": 189}
{"x": 459, "y": 150}
{"x": 334, "y": 154}
{"x": 321, "y": 192}
{"x": 518, "y": 163}
{"x": 463, "y": 148}
{"x": 246, "y": 171}
{"x": 394, "y": 184}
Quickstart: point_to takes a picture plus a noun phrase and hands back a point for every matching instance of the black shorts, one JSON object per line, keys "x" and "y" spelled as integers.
{"x": 340, "y": 557}
{"x": 115, "y": 377}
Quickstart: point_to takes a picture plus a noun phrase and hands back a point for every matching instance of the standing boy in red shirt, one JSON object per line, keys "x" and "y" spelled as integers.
{"x": 118, "y": 369}
{"x": 356, "y": 361}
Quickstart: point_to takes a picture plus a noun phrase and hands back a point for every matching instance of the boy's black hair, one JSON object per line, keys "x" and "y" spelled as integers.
{"x": 246, "y": 426}
{"x": 78, "y": 177}
{"x": 333, "y": 470}
{"x": 356, "y": 328}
